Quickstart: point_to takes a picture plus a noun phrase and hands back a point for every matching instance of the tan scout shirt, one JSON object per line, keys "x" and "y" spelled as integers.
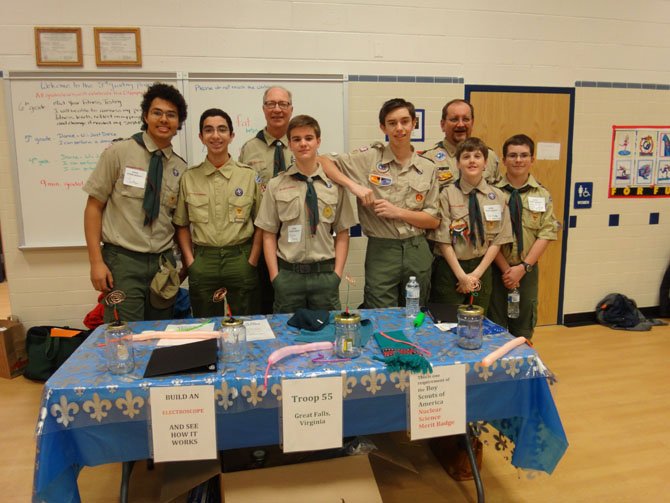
{"x": 443, "y": 154}
{"x": 120, "y": 169}
{"x": 456, "y": 219}
{"x": 537, "y": 217}
{"x": 261, "y": 157}
{"x": 220, "y": 204}
{"x": 411, "y": 187}
{"x": 283, "y": 210}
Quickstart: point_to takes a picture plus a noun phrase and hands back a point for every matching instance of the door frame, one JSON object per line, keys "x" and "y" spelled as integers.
{"x": 570, "y": 91}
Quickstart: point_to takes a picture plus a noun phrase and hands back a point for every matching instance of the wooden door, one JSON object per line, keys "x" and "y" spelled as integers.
{"x": 545, "y": 116}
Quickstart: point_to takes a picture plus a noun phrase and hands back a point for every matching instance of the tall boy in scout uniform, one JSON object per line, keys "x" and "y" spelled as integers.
{"x": 397, "y": 200}
{"x": 218, "y": 199}
{"x": 475, "y": 223}
{"x": 132, "y": 196}
{"x": 300, "y": 211}
{"x": 268, "y": 154}
{"x": 458, "y": 117}
{"x": 534, "y": 226}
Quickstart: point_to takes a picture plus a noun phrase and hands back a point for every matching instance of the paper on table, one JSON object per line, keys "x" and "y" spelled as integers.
{"x": 183, "y": 327}
{"x": 445, "y": 327}
{"x": 258, "y": 330}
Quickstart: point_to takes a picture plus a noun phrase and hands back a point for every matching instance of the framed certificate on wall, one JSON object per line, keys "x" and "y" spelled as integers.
{"x": 117, "y": 47}
{"x": 58, "y": 46}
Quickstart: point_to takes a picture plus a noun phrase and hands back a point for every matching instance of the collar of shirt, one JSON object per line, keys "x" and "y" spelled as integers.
{"x": 531, "y": 181}
{"x": 151, "y": 145}
{"x": 482, "y": 186}
{"x": 226, "y": 170}
{"x": 269, "y": 139}
{"x": 388, "y": 156}
{"x": 449, "y": 147}
{"x": 293, "y": 168}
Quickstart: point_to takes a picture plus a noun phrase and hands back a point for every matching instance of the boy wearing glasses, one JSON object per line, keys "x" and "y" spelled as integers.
{"x": 534, "y": 226}
{"x": 268, "y": 154}
{"x": 132, "y": 194}
{"x": 214, "y": 220}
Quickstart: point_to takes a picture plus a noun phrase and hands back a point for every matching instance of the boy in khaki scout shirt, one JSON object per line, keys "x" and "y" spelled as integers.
{"x": 534, "y": 226}
{"x": 475, "y": 222}
{"x": 218, "y": 199}
{"x": 132, "y": 194}
{"x": 397, "y": 200}
{"x": 300, "y": 211}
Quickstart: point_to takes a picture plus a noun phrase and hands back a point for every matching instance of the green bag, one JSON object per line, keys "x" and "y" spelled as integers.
{"x": 46, "y": 353}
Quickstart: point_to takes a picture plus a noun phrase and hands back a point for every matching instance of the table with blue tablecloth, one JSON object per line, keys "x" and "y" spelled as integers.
{"x": 90, "y": 417}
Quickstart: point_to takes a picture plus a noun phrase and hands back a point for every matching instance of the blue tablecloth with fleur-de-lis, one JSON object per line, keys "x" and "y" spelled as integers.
{"x": 89, "y": 416}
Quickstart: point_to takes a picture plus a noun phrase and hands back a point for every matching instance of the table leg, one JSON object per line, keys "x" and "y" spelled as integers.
{"x": 473, "y": 464}
{"x": 126, "y": 470}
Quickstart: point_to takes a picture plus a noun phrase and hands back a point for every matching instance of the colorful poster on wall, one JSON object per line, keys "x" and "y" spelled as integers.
{"x": 640, "y": 161}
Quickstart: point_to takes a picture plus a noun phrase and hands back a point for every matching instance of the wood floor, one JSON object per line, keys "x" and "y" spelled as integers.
{"x": 613, "y": 397}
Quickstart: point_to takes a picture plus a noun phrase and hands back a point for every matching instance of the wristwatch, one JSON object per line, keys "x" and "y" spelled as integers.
{"x": 527, "y": 266}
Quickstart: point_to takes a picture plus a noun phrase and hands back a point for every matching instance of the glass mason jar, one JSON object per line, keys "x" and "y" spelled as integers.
{"x": 470, "y": 320}
{"x": 119, "y": 348}
{"x": 348, "y": 335}
{"x": 232, "y": 340}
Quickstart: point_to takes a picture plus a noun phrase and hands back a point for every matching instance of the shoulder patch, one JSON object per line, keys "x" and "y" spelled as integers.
{"x": 377, "y": 145}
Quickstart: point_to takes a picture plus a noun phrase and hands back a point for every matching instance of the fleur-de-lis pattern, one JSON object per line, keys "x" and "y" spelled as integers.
{"x": 225, "y": 395}
{"x": 401, "y": 379}
{"x": 130, "y": 404}
{"x": 373, "y": 381}
{"x": 276, "y": 391}
{"x": 61, "y": 411}
{"x": 253, "y": 392}
{"x": 348, "y": 384}
{"x": 97, "y": 408}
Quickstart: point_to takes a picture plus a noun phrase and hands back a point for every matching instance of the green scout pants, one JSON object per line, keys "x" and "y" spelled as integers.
{"x": 132, "y": 273}
{"x": 524, "y": 325}
{"x": 222, "y": 267}
{"x": 444, "y": 284}
{"x": 388, "y": 265}
{"x": 316, "y": 287}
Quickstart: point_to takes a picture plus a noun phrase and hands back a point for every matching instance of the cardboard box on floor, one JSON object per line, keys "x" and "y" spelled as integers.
{"x": 13, "y": 358}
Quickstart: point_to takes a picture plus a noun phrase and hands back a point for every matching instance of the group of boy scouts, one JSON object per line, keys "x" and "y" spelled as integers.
{"x": 273, "y": 226}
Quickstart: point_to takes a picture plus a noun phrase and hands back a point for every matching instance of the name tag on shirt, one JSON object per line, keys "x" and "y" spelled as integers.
{"x": 537, "y": 204}
{"x": 493, "y": 213}
{"x": 294, "y": 233}
{"x": 134, "y": 177}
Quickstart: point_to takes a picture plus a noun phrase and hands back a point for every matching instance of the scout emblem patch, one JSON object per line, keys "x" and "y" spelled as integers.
{"x": 238, "y": 192}
{"x": 419, "y": 198}
{"x": 380, "y": 180}
{"x": 491, "y": 195}
{"x": 239, "y": 214}
{"x": 440, "y": 156}
{"x": 175, "y": 172}
{"x": 459, "y": 230}
{"x": 328, "y": 211}
{"x": 383, "y": 168}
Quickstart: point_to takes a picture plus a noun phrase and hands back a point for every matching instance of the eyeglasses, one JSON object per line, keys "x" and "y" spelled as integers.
{"x": 210, "y": 130}
{"x": 157, "y": 113}
{"x": 523, "y": 156}
{"x": 270, "y": 105}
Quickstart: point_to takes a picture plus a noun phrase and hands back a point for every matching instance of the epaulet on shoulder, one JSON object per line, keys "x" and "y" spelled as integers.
{"x": 377, "y": 144}
{"x": 175, "y": 153}
{"x": 242, "y": 165}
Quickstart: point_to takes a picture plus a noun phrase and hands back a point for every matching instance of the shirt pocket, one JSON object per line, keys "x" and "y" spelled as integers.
{"x": 327, "y": 207}
{"x": 531, "y": 219}
{"x": 418, "y": 188}
{"x": 239, "y": 209}
{"x": 288, "y": 205}
{"x": 198, "y": 208}
{"x": 169, "y": 198}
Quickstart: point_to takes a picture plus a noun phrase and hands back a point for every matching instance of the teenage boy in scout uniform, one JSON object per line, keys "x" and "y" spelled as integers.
{"x": 475, "y": 223}
{"x": 397, "y": 200}
{"x": 300, "y": 211}
{"x": 268, "y": 154}
{"x": 534, "y": 226}
{"x": 458, "y": 117}
{"x": 214, "y": 219}
{"x": 132, "y": 196}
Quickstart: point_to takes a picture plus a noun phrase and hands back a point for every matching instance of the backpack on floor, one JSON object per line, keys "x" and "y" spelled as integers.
{"x": 621, "y": 313}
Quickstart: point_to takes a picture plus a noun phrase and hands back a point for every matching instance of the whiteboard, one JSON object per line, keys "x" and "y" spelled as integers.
{"x": 60, "y": 123}
{"x": 241, "y": 96}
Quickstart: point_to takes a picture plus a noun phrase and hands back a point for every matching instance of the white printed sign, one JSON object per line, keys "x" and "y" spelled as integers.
{"x": 183, "y": 423}
{"x": 312, "y": 413}
{"x": 437, "y": 402}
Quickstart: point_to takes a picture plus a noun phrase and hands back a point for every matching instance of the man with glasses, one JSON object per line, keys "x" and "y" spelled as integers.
{"x": 218, "y": 201}
{"x": 132, "y": 194}
{"x": 268, "y": 154}
{"x": 458, "y": 117}
{"x": 534, "y": 226}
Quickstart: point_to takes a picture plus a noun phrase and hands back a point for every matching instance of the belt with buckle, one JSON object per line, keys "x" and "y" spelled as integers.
{"x": 323, "y": 266}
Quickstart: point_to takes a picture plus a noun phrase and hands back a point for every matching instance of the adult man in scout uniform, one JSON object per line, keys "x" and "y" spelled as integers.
{"x": 132, "y": 196}
{"x": 268, "y": 154}
{"x": 214, "y": 220}
{"x": 300, "y": 211}
{"x": 458, "y": 117}
{"x": 534, "y": 226}
{"x": 475, "y": 223}
{"x": 397, "y": 200}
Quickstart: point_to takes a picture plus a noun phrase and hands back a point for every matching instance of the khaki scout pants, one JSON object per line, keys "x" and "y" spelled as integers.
{"x": 524, "y": 325}
{"x": 222, "y": 267}
{"x": 132, "y": 273}
{"x": 444, "y": 284}
{"x": 388, "y": 265}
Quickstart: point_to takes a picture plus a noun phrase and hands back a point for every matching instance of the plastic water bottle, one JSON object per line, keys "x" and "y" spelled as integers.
{"x": 412, "y": 295}
{"x": 513, "y": 298}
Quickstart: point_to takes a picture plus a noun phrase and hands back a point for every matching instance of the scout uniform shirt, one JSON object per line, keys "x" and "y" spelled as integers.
{"x": 119, "y": 180}
{"x": 537, "y": 217}
{"x": 410, "y": 187}
{"x": 220, "y": 204}
{"x": 283, "y": 211}
{"x": 260, "y": 156}
{"x": 455, "y": 229}
{"x": 443, "y": 154}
